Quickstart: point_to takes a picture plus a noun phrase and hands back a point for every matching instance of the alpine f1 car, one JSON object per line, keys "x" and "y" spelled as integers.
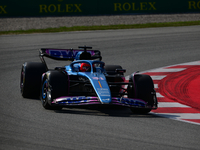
{"x": 86, "y": 81}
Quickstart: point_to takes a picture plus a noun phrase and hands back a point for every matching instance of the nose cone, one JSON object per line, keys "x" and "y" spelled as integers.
{"x": 100, "y": 86}
{"x": 104, "y": 95}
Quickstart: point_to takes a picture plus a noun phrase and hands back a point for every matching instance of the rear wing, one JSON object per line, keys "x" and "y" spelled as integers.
{"x": 66, "y": 54}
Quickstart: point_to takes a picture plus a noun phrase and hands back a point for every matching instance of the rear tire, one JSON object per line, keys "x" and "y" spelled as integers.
{"x": 142, "y": 88}
{"x": 54, "y": 85}
{"x": 30, "y": 81}
{"x": 111, "y": 69}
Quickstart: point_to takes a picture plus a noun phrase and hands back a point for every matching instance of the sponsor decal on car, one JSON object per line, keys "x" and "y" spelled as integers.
{"x": 103, "y": 92}
{"x": 97, "y": 78}
{"x": 64, "y": 53}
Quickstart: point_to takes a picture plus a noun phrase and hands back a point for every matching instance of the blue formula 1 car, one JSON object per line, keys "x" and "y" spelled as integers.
{"x": 86, "y": 81}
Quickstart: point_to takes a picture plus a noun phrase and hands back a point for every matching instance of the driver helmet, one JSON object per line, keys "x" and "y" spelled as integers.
{"x": 85, "y": 67}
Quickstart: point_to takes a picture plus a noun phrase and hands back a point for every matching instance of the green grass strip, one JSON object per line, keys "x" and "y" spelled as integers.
{"x": 102, "y": 27}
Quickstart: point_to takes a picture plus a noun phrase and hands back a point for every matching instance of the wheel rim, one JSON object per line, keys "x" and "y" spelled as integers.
{"x": 44, "y": 90}
{"x": 22, "y": 80}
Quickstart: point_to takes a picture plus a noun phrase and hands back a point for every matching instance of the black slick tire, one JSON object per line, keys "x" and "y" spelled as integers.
{"x": 111, "y": 69}
{"x": 30, "y": 80}
{"x": 142, "y": 88}
{"x": 54, "y": 85}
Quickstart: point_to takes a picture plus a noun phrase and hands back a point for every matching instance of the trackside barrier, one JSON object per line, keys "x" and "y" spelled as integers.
{"x": 26, "y": 8}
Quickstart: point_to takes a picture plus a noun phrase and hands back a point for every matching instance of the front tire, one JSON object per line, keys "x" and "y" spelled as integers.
{"x": 54, "y": 85}
{"x": 30, "y": 81}
{"x": 142, "y": 88}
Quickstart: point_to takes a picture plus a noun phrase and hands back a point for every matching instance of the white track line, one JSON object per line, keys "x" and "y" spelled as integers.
{"x": 158, "y": 77}
{"x": 159, "y": 95}
{"x": 190, "y": 63}
{"x": 180, "y": 116}
{"x": 171, "y": 104}
{"x": 167, "y": 70}
{"x": 155, "y": 86}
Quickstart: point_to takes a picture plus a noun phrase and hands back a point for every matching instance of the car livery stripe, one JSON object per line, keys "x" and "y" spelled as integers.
{"x": 100, "y": 84}
{"x": 83, "y": 100}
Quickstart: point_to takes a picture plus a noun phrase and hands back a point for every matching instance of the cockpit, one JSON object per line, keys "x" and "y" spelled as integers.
{"x": 89, "y": 66}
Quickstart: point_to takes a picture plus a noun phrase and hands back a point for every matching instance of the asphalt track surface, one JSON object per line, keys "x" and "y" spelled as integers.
{"x": 25, "y": 124}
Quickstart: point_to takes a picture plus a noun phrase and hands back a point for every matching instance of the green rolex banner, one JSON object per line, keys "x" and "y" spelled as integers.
{"x": 26, "y": 8}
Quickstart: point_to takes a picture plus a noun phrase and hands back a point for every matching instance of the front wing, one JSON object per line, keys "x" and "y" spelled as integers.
{"x": 83, "y": 100}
